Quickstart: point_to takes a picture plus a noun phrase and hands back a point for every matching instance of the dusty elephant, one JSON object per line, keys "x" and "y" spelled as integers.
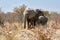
{"x": 31, "y": 17}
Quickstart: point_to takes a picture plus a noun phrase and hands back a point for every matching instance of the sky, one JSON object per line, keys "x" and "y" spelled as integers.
{"x": 50, "y": 5}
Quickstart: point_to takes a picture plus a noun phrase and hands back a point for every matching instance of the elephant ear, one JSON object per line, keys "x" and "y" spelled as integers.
{"x": 30, "y": 13}
{"x": 39, "y": 12}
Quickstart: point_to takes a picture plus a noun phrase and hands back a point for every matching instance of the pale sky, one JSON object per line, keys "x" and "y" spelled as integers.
{"x": 50, "y": 5}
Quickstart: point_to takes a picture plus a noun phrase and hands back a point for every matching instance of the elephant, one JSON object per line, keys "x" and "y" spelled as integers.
{"x": 31, "y": 17}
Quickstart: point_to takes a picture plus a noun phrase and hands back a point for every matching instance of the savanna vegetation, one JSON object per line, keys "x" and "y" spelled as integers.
{"x": 11, "y": 26}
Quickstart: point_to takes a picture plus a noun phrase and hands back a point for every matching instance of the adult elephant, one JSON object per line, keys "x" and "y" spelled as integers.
{"x": 31, "y": 16}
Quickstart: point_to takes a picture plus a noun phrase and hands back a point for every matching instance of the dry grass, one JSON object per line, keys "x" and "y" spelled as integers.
{"x": 15, "y": 31}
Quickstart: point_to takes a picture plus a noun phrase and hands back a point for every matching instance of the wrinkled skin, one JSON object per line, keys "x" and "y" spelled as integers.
{"x": 31, "y": 17}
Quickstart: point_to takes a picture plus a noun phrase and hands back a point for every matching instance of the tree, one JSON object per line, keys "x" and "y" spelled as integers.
{"x": 20, "y": 9}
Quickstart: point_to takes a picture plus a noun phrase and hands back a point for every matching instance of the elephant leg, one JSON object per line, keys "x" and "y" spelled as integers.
{"x": 34, "y": 24}
{"x": 28, "y": 24}
{"x": 31, "y": 24}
